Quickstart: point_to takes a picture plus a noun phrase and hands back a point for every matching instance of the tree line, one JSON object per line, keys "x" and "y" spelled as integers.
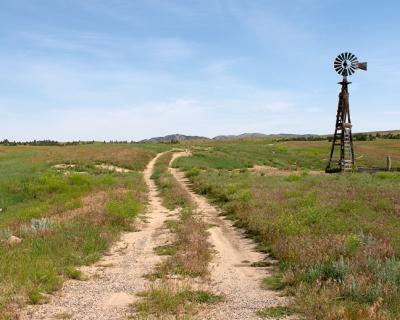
{"x": 7, "y": 142}
{"x": 356, "y": 137}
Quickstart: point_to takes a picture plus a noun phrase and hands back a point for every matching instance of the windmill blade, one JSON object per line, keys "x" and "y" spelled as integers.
{"x": 346, "y": 64}
{"x": 362, "y": 66}
{"x": 337, "y": 68}
{"x": 337, "y": 62}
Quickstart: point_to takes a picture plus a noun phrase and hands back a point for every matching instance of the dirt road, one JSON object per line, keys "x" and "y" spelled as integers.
{"x": 231, "y": 272}
{"x": 114, "y": 281}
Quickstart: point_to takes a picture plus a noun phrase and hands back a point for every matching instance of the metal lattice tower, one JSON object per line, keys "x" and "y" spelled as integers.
{"x": 345, "y": 64}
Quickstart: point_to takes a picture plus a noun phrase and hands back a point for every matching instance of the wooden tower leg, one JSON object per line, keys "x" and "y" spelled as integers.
{"x": 343, "y": 135}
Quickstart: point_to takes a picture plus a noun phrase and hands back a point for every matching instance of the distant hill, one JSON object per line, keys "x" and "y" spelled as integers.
{"x": 260, "y": 135}
{"x": 240, "y": 136}
{"x": 173, "y": 138}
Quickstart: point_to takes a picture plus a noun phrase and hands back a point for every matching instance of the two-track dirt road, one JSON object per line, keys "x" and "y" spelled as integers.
{"x": 114, "y": 281}
{"x": 231, "y": 272}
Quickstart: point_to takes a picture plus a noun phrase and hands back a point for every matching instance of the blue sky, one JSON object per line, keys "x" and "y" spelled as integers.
{"x": 126, "y": 69}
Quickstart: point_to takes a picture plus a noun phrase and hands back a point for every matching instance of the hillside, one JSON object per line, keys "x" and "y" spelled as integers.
{"x": 172, "y": 138}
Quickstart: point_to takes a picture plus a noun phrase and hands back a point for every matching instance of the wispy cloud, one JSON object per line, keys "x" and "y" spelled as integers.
{"x": 108, "y": 46}
{"x": 134, "y": 69}
{"x": 271, "y": 27}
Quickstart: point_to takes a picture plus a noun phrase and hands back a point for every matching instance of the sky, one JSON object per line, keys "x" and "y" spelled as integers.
{"x": 135, "y": 69}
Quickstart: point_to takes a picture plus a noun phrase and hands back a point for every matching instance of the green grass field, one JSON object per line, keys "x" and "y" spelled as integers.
{"x": 313, "y": 155}
{"x": 336, "y": 237}
{"x": 65, "y": 217}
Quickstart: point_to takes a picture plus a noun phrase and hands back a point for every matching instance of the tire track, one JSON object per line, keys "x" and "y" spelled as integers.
{"x": 231, "y": 272}
{"x": 114, "y": 281}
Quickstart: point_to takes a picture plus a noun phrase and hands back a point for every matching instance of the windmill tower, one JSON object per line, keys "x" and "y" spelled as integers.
{"x": 343, "y": 159}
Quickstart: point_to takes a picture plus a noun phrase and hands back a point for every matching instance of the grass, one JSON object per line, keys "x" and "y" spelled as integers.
{"x": 63, "y": 315}
{"x": 73, "y": 273}
{"x": 172, "y": 194}
{"x": 166, "y": 250}
{"x": 31, "y": 188}
{"x": 313, "y": 155}
{"x": 336, "y": 237}
{"x": 188, "y": 256}
{"x": 168, "y": 299}
{"x": 274, "y": 282}
{"x": 275, "y": 312}
{"x": 59, "y": 217}
{"x": 190, "y": 252}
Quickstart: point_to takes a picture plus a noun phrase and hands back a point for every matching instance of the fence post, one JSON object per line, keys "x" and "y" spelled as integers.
{"x": 388, "y": 163}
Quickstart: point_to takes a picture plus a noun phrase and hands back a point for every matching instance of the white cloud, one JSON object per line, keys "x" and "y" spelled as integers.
{"x": 108, "y": 46}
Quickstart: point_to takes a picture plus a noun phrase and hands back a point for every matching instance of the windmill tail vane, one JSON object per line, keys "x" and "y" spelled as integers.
{"x": 346, "y": 65}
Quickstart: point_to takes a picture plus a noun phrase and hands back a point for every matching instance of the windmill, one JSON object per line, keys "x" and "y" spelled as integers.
{"x": 345, "y": 64}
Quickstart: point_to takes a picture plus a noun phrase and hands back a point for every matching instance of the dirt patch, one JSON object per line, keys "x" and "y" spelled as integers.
{"x": 111, "y": 167}
{"x": 64, "y": 166}
{"x": 272, "y": 171}
{"x": 91, "y": 203}
{"x": 103, "y": 166}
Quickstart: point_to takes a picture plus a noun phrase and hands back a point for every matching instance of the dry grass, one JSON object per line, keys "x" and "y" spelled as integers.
{"x": 172, "y": 193}
{"x": 126, "y": 156}
{"x": 63, "y": 220}
{"x": 172, "y": 301}
{"x": 188, "y": 256}
{"x": 192, "y": 251}
{"x": 336, "y": 236}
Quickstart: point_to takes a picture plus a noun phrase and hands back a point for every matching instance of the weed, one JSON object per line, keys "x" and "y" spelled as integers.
{"x": 166, "y": 250}
{"x": 163, "y": 300}
{"x": 122, "y": 208}
{"x": 172, "y": 193}
{"x": 172, "y": 225}
{"x": 63, "y": 315}
{"x": 275, "y": 312}
{"x": 73, "y": 273}
{"x": 261, "y": 264}
{"x": 36, "y": 297}
{"x": 201, "y": 296}
{"x": 5, "y": 234}
{"x": 167, "y": 299}
{"x": 274, "y": 282}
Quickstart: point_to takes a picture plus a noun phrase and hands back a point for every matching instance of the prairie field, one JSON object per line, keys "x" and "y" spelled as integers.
{"x": 68, "y": 207}
{"x": 336, "y": 237}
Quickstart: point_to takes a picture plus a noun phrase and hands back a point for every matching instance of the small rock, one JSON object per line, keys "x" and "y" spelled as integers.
{"x": 13, "y": 240}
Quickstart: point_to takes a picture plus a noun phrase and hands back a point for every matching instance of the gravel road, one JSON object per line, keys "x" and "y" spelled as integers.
{"x": 114, "y": 281}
